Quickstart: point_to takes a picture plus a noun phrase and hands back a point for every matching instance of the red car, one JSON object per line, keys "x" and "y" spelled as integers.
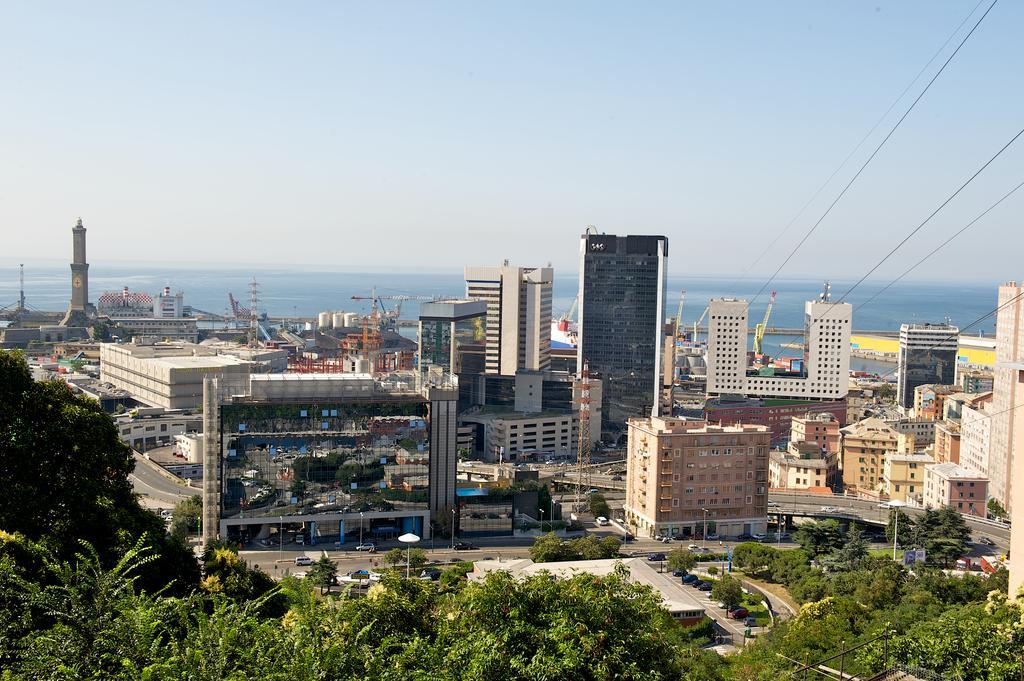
{"x": 738, "y": 613}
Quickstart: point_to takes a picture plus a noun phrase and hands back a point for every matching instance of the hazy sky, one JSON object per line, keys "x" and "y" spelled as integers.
{"x": 429, "y": 135}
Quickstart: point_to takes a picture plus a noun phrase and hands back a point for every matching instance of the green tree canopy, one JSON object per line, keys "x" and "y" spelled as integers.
{"x": 681, "y": 559}
{"x": 819, "y": 537}
{"x": 324, "y": 572}
{"x": 728, "y": 590}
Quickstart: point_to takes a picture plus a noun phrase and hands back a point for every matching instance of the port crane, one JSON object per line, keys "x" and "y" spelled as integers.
{"x": 697, "y": 323}
{"x": 390, "y": 318}
{"x": 563, "y": 321}
{"x": 679, "y": 313}
{"x": 760, "y": 329}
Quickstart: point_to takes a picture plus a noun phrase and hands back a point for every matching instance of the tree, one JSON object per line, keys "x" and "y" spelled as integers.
{"x": 548, "y": 548}
{"x": 753, "y": 557}
{"x": 852, "y": 552}
{"x": 324, "y": 573}
{"x": 226, "y": 574}
{"x": 186, "y": 516}
{"x": 65, "y": 478}
{"x": 416, "y": 558}
{"x": 728, "y": 590}
{"x": 886, "y": 392}
{"x": 819, "y": 537}
{"x": 598, "y": 505}
{"x": 995, "y": 509}
{"x": 905, "y": 527}
{"x": 681, "y": 559}
{"x": 394, "y": 557}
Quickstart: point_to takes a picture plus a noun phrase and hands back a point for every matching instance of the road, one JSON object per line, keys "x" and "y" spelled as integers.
{"x": 157, "y": 490}
{"x": 804, "y": 503}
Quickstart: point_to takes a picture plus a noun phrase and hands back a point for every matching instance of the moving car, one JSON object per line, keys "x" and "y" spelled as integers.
{"x": 655, "y": 557}
{"x": 986, "y": 541}
{"x": 303, "y": 560}
{"x": 464, "y": 546}
{"x": 368, "y": 546}
{"x": 829, "y": 509}
{"x": 601, "y": 520}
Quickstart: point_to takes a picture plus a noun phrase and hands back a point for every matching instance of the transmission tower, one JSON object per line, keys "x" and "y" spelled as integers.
{"x": 583, "y": 447}
{"x": 254, "y": 319}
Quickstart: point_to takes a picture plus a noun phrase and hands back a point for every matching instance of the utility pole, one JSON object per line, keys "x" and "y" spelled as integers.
{"x": 583, "y": 446}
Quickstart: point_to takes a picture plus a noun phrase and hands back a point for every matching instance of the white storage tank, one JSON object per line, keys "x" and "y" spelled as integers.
{"x": 309, "y": 326}
{"x": 323, "y": 320}
{"x": 351, "y": 319}
{"x": 338, "y": 320}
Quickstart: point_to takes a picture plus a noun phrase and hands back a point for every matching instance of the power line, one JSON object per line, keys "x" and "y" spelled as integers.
{"x": 914, "y": 231}
{"x": 861, "y": 142}
{"x": 874, "y": 153}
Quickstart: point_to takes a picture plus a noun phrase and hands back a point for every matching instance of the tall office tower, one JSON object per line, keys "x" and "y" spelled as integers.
{"x": 821, "y": 374}
{"x": 622, "y": 312}
{"x": 1006, "y": 420}
{"x": 78, "y": 310}
{"x": 927, "y": 355}
{"x": 518, "y": 315}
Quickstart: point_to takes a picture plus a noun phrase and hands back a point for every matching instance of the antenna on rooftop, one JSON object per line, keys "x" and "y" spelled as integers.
{"x": 826, "y": 293}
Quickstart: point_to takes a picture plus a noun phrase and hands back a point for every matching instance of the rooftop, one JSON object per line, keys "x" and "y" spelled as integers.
{"x": 955, "y": 471}
{"x": 870, "y": 427}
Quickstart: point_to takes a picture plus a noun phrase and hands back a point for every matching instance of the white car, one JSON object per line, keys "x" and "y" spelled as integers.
{"x": 759, "y": 537}
{"x": 303, "y": 560}
{"x": 601, "y": 520}
{"x": 368, "y": 546}
{"x": 829, "y": 509}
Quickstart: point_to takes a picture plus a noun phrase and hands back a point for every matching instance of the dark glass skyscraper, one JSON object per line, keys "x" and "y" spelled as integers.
{"x": 927, "y": 355}
{"x": 621, "y": 334}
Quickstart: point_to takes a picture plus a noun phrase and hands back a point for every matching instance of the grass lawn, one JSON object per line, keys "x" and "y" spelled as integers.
{"x": 886, "y": 553}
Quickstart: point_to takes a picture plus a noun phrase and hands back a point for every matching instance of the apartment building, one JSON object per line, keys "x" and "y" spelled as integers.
{"x": 947, "y": 484}
{"x": 681, "y": 473}
{"x": 865, "y": 445}
{"x": 903, "y": 476}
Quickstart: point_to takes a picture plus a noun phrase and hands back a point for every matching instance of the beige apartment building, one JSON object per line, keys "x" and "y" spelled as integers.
{"x": 821, "y": 428}
{"x": 903, "y": 476}
{"x": 947, "y": 442}
{"x": 865, "y": 444}
{"x": 682, "y": 473}
{"x": 801, "y": 466}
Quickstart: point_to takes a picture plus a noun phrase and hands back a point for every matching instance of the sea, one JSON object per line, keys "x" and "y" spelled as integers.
{"x": 303, "y": 292}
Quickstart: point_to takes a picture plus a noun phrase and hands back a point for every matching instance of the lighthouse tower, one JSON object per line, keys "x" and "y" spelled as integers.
{"x": 79, "y": 310}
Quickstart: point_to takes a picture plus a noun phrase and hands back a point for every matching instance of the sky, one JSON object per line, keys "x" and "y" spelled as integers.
{"x": 430, "y": 135}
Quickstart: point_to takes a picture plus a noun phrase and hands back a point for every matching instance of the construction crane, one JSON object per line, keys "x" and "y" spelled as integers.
{"x": 389, "y": 318}
{"x": 679, "y": 313}
{"x": 697, "y": 323}
{"x": 763, "y": 326}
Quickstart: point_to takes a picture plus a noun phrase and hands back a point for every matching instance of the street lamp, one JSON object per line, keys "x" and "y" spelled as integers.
{"x": 704, "y": 536}
{"x": 360, "y": 528}
{"x": 280, "y": 537}
{"x": 408, "y": 539}
{"x": 453, "y": 529}
{"x": 541, "y": 519}
{"x": 895, "y": 504}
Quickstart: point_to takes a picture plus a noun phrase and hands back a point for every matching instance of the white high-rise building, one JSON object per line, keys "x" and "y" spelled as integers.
{"x": 824, "y": 373}
{"x": 518, "y": 316}
{"x": 1009, "y": 350}
{"x": 976, "y": 435}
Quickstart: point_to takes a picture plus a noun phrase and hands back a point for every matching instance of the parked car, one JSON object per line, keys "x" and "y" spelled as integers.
{"x": 773, "y": 504}
{"x": 303, "y": 560}
{"x": 617, "y": 478}
{"x": 750, "y": 622}
{"x": 593, "y": 490}
{"x": 746, "y": 536}
{"x": 368, "y": 546}
{"x": 628, "y": 537}
{"x": 693, "y": 547}
{"x": 655, "y": 557}
{"x": 464, "y": 546}
{"x": 696, "y": 583}
{"x": 757, "y": 536}
{"x": 738, "y": 613}
{"x": 705, "y": 586}
{"x": 713, "y": 536}
{"x": 431, "y": 573}
{"x": 678, "y": 573}
{"x": 690, "y": 579}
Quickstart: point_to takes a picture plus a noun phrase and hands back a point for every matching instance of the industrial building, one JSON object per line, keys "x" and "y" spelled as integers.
{"x": 168, "y": 375}
{"x": 822, "y": 373}
{"x": 621, "y": 315}
{"x": 927, "y": 354}
{"x": 681, "y": 474}
{"x": 334, "y": 456}
{"x": 518, "y": 328}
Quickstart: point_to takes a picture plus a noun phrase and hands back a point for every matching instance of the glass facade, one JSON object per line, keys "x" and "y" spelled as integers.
{"x": 921, "y": 366}
{"x": 343, "y": 458}
{"x": 622, "y": 302}
{"x": 492, "y": 512}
